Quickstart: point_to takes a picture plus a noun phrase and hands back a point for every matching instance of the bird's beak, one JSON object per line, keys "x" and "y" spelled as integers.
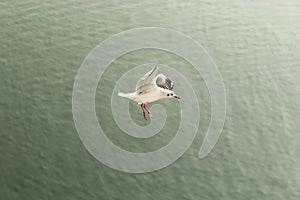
{"x": 177, "y": 97}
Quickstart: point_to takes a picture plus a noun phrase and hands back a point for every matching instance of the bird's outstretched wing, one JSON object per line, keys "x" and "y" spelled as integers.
{"x": 147, "y": 81}
{"x": 164, "y": 82}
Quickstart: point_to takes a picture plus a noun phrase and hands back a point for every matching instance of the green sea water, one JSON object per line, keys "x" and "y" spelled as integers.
{"x": 255, "y": 45}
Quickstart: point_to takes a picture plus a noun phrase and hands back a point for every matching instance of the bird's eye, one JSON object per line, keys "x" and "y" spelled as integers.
{"x": 168, "y": 94}
{"x": 172, "y": 94}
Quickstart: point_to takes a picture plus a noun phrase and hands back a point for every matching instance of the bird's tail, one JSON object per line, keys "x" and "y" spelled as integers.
{"x": 121, "y": 94}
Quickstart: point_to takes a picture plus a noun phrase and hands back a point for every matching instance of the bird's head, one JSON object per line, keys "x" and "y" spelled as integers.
{"x": 171, "y": 94}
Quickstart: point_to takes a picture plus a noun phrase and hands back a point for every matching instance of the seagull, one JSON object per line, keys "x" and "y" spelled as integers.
{"x": 151, "y": 88}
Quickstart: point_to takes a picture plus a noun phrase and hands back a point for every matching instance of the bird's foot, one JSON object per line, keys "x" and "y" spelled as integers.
{"x": 144, "y": 114}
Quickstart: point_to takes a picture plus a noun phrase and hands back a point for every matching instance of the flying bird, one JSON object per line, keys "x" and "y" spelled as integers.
{"x": 151, "y": 88}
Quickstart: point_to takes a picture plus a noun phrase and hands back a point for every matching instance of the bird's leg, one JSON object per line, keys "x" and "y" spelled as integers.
{"x": 144, "y": 113}
{"x": 148, "y": 111}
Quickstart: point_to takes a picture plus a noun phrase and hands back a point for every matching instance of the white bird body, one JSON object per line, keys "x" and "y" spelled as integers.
{"x": 148, "y": 97}
{"x": 151, "y": 88}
